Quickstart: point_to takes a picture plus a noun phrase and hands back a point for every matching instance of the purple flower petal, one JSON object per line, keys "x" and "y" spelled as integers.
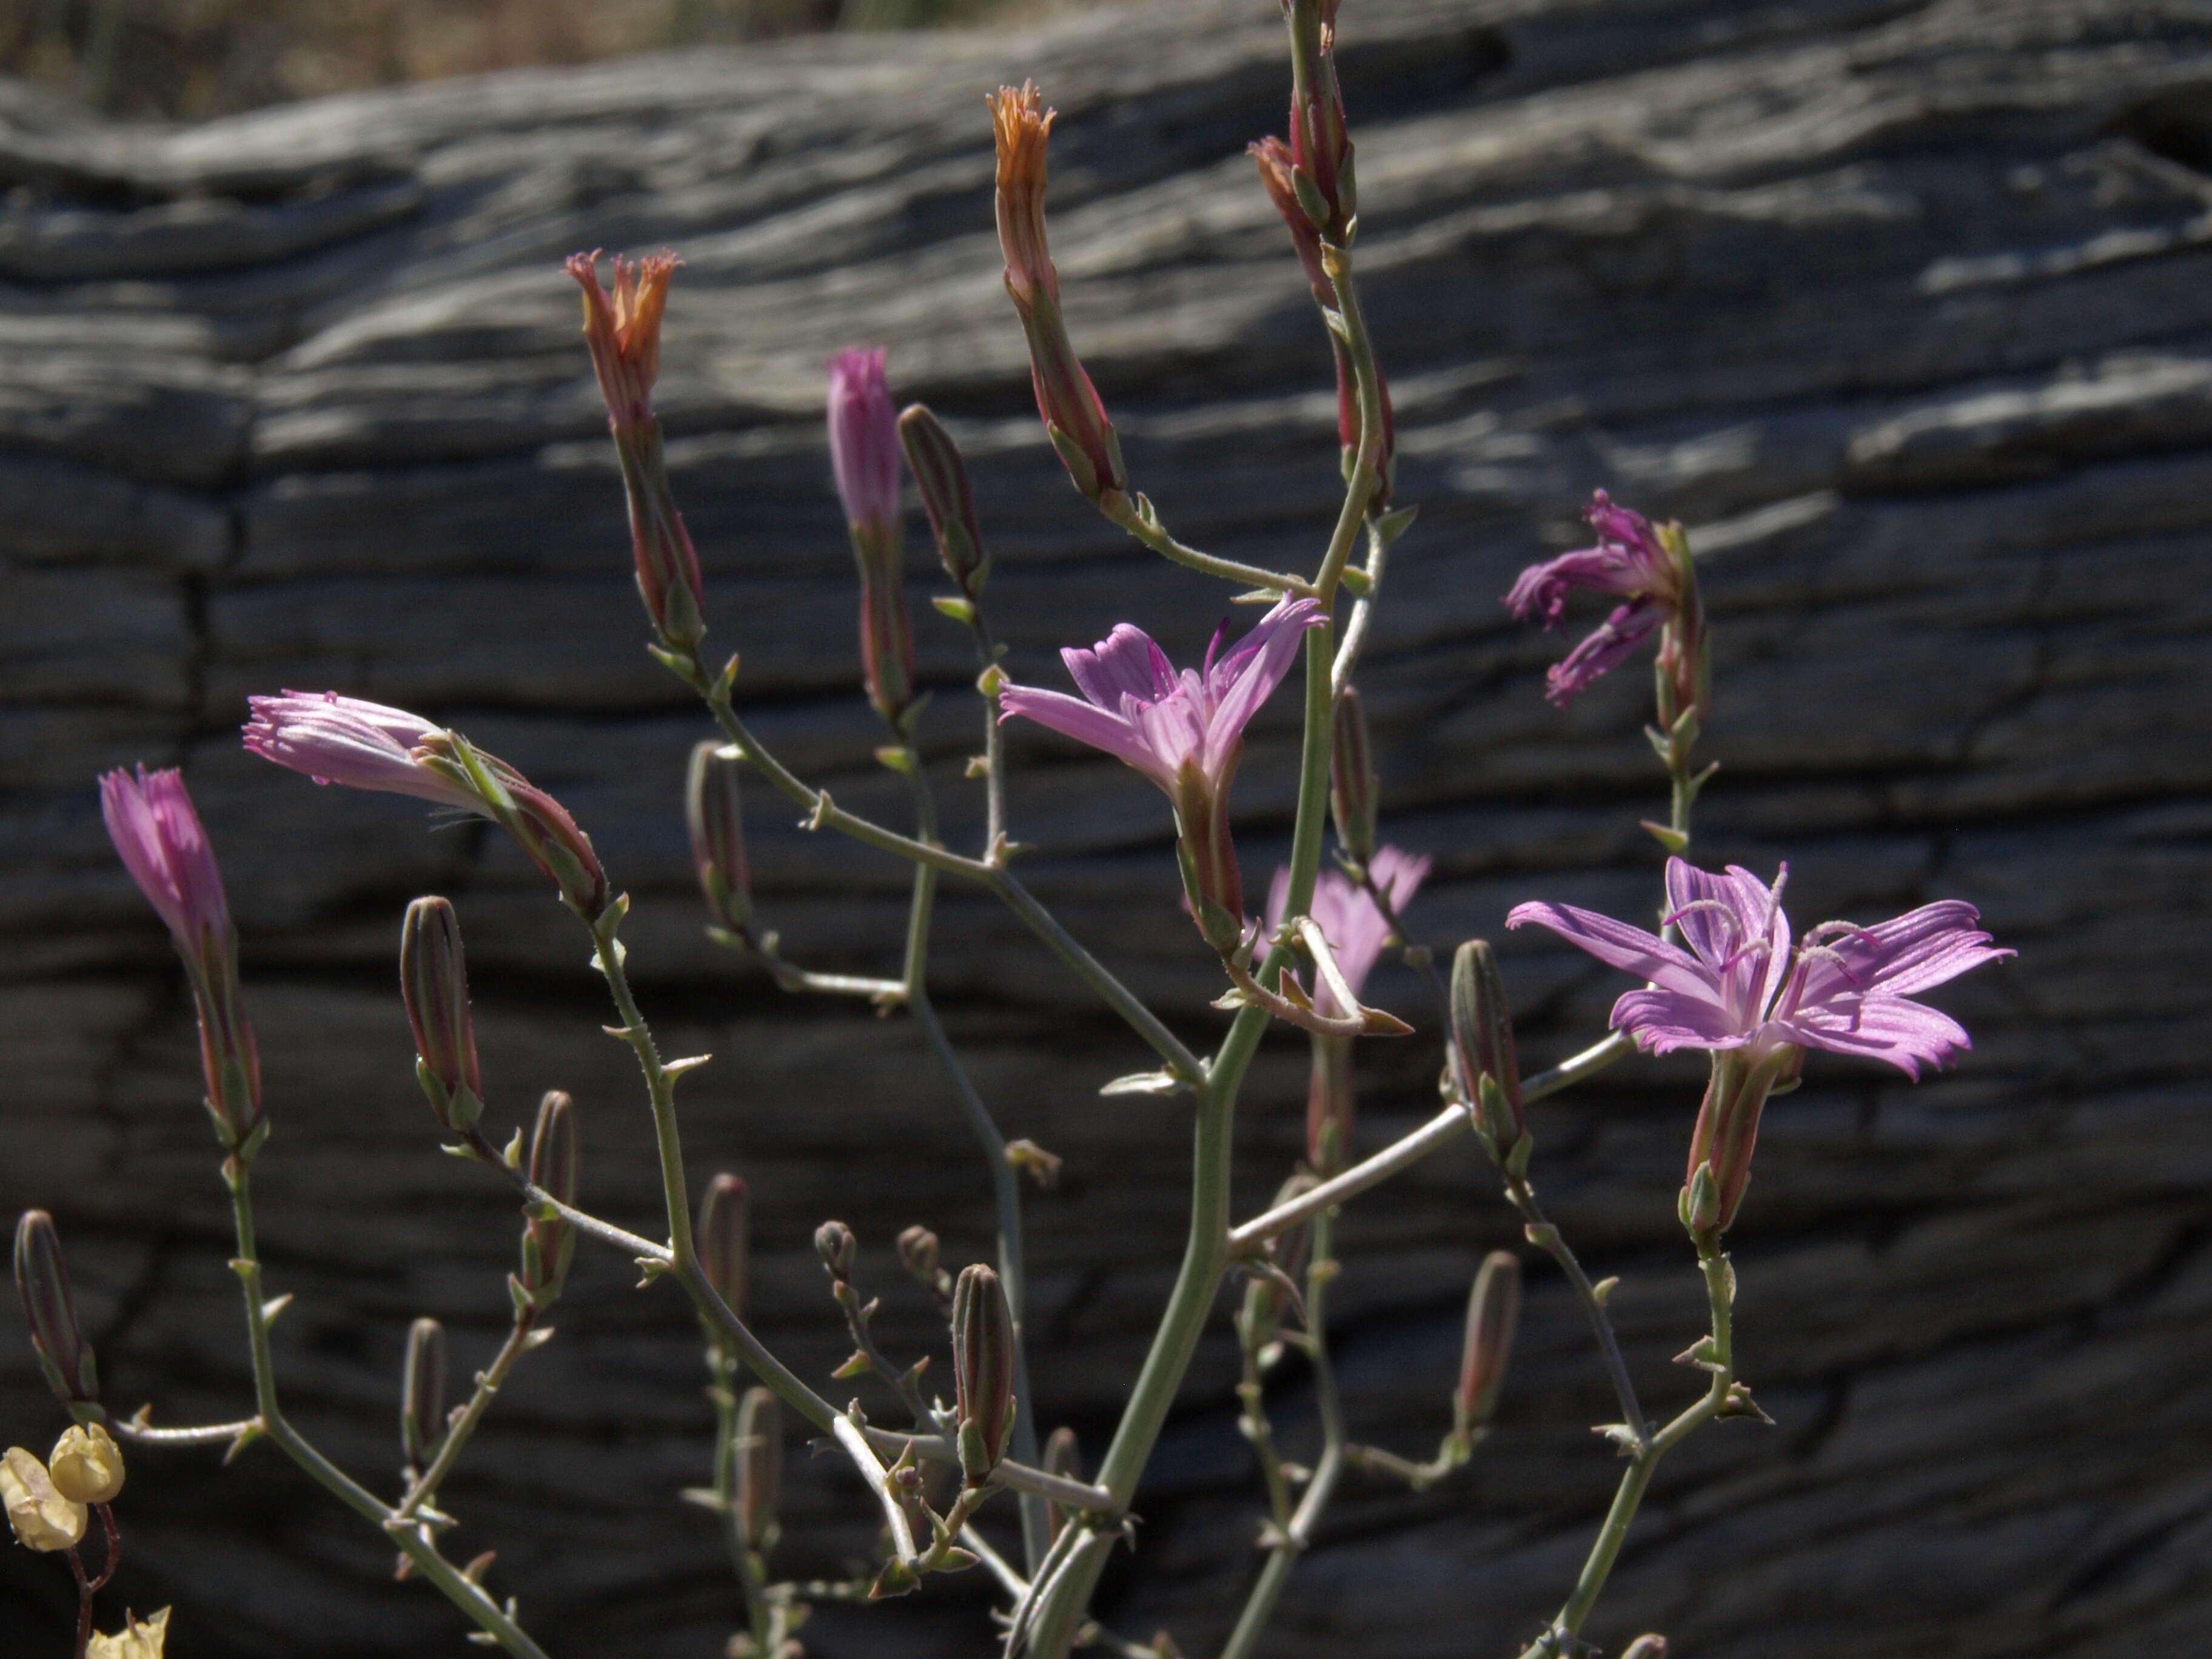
{"x": 1603, "y": 649}
{"x": 1127, "y": 662}
{"x": 1620, "y": 945}
{"x": 1663, "y": 1021}
{"x": 1248, "y": 675}
{"x": 863, "y": 444}
{"x": 1908, "y": 1035}
{"x": 1072, "y": 717}
{"x": 158, "y": 836}
{"x": 363, "y": 745}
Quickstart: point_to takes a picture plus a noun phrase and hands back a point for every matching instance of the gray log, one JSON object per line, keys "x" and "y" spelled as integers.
{"x": 1903, "y": 307}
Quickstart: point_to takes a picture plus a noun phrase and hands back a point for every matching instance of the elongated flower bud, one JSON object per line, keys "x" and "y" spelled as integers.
{"x": 935, "y": 461}
{"x": 50, "y": 1311}
{"x": 1651, "y": 1646}
{"x": 1265, "y": 1296}
{"x": 982, "y": 1370}
{"x": 1332, "y": 1104}
{"x": 1493, "y": 1312}
{"x": 556, "y": 1165}
{"x": 1062, "y": 1457}
{"x": 714, "y": 813}
{"x": 623, "y": 328}
{"x": 422, "y": 1391}
{"x": 1354, "y": 793}
{"x": 1320, "y": 146}
{"x": 724, "y": 1237}
{"x": 40, "y": 1517}
{"x": 434, "y": 980}
{"x": 86, "y": 1465}
{"x": 759, "y": 1453}
{"x": 1482, "y": 1043}
{"x": 1074, "y": 418}
{"x": 864, "y": 448}
{"x": 835, "y": 1243}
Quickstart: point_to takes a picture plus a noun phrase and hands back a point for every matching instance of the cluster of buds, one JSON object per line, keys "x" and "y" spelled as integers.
{"x": 724, "y": 1233}
{"x": 1485, "y": 1071}
{"x": 1074, "y": 417}
{"x": 48, "y": 1504}
{"x": 422, "y": 1392}
{"x": 623, "y": 328}
{"x": 433, "y": 983}
{"x": 158, "y": 835}
{"x": 1493, "y": 1313}
{"x": 370, "y": 745}
{"x": 50, "y": 1312}
{"x": 864, "y": 451}
{"x": 555, "y": 1167}
{"x": 713, "y": 811}
{"x": 942, "y": 474}
{"x": 982, "y": 1370}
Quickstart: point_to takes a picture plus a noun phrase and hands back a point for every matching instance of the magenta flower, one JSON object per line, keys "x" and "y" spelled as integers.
{"x": 1634, "y": 561}
{"x": 1182, "y": 729}
{"x": 370, "y": 745}
{"x": 158, "y": 835}
{"x": 1355, "y": 929}
{"x": 864, "y": 443}
{"x": 1743, "y": 984}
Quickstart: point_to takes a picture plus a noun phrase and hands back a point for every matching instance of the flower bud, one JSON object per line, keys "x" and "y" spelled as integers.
{"x": 1320, "y": 147}
{"x": 1482, "y": 1044}
{"x": 864, "y": 449}
{"x": 554, "y": 1165}
{"x": 917, "y": 1249}
{"x": 982, "y": 1370}
{"x": 935, "y": 461}
{"x": 50, "y": 1311}
{"x": 713, "y": 810}
{"x": 1493, "y": 1311}
{"x": 434, "y": 980}
{"x": 41, "y": 1518}
{"x": 1353, "y": 791}
{"x": 1652, "y": 1646}
{"x": 835, "y": 1243}
{"x": 725, "y": 1235}
{"x": 759, "y": 1453}
{"x": 1332, "y": 1104}
{"x": 86, "y": 1465}
{"x": 1074, "y": 418}
{"x": 1064, "y": 1458}
{"x": 422, "y": 1391}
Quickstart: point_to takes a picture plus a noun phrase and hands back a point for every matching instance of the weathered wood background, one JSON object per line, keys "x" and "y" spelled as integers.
{"x": 1906, "y": 309}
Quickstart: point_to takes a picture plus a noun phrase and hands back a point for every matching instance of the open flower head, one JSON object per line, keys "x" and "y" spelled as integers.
{"x": 1740, "y": 981}
{"x": 1355, "y": 929}
{"x": 1645, "y": 567}
{"x": 1183, "y": 729}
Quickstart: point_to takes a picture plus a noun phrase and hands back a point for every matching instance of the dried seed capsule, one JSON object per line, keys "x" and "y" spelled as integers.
{"x": 982, "y": 1370}
{"x": 50, "y": 1312}
{"x": 1482, "y": 1038}
{"x": 1493, "y": 1311}
{"x": 86, "y": 1465}
{"x": 759, "y": 1454}
{"x": 713, "y": 813}
{"x": 423, "y": 1390}
{"x": 40, "y": 1517}
{"x": 434, "y": 980}
{"x": 724, "y": 1237}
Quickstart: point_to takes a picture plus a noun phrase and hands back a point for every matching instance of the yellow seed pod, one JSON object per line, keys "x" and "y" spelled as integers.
{"x": 140, "y": 1640}
{"x": 86, "y": 1465}
{"x": 42, "y": 1518}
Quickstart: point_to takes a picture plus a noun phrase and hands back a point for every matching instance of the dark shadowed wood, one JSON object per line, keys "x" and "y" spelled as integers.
{"x": 1905, "y": 309}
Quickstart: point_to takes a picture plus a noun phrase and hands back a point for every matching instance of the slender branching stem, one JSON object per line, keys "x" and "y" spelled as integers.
{"x": 761, "y": 1620}
{"x": 423, "y": 1494}
{"x": 412, "y": 1538}
{"x": 1546, "y": 1238}
{"x": 136, "y": 1430}
{"x": 1135, "y": 517}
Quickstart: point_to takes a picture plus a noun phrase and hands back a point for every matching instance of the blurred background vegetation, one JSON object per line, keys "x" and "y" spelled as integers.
{"x": 192, "y": 58}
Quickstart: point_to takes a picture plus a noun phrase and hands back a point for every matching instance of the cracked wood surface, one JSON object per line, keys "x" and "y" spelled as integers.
{"x": 1903, "y": 307}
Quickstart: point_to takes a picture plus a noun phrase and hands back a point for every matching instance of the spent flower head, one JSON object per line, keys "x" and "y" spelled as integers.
{"x": 1649, "y": 569}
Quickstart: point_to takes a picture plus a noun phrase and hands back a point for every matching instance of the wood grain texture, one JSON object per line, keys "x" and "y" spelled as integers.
{"x": 1903, "y": 307}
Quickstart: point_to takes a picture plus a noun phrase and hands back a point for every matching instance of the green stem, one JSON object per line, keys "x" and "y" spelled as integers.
{"x": 760, "y": 1617}
{"x": 1368, "y": 458}
{"x": 424, "y": 1492}
{"x": 1136, "y": 517}
{"x": 412, "y": 1540}
{"x": 1564, "y": 1637}
{"x": 659, "y": 1084}
{"x": 1546, "y": 1238}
